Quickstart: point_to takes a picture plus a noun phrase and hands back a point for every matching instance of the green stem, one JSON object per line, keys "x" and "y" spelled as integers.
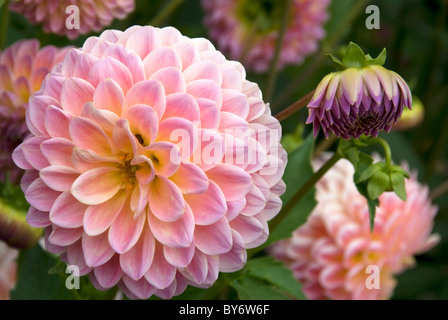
{"x": 166, "y": 11}
{"x": 4, "y": 21}
{"x": 386, "y": 147}
{"x": 278, "y": 47}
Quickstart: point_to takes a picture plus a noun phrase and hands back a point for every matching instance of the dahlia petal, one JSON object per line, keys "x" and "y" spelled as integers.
{"x": 64, "y": 237}
{"x": 182, "y": 105}
{"x": 75, "y": 256}
{"x": 164, "y": 157}
{"x": 105, "y": 118}
{"x": 111, "y": 68}
{"x": 205, "y": 88}
{"x": 40, "y": 196}
{"x": 161, "y": 274}
{"x": 232, "y": 78}
{"x": 74, "y": 93}
{"x": 160, "y": 58}
{"x": 233, "y": 181}
{"x": 20, "y": 160}
{"x": 235, "y": 102}
{"x": 84, "y": 63}
{"x": 215, "y": 238}
{"x": 125, "y": 230}
{"x": 37, "y": 110}
{"x": 176, "y": 234}
{"x": 96, "y": 249}
{"x": 109, "y": 96}
{"x": 87, "y": 134}
{"x": 210, "y": 115}
{"x": 136, "y": 262}
{"x": 140, "y": 289}
{"x": 59, "y": 178}
{"x": 372, "y": 84}
{"x": 196, "y": 271}
{"x": 181, "y": 132}
{"x": 190, "y": 179}
{"x": 211, "y": 150}
{"x": 32, "y": 152}
{"x": 66, "y": 212}
{"x": 97, "y": 185}
{"x": 58, "y": 151}
{"x": 234, "y": 208}
{"x": 235, "y": 259}
{"x": 143, "y": 121}
{"x": 143, "y": 41}
{"x": 171, "y": 79}
{"x": 165, "y": 200}
{"x": 249, "y": 228}
{"x": 208, "y": 207}
{"x": 203, "y": 70}
{"x": 187, "y": 52}
{"x": 179, "y": 257}
{"x": 37, "y": 218}
{"x": 231, "y": 122}
{"x": 98, "y": 218}
{"x": 147, "y": 92}
{"x": 56, "y": 122}
{"x": 333, "y": 276}
{"x": 108, "y": 274}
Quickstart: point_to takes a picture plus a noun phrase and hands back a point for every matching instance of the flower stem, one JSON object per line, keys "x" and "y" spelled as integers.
{"x": 303, "y": 191}
{"x": 165, "y": 12}
{"x": 296, "y": 106}
{"x": 278, "y": 46}
{"x": 4, "y": 21}
{"x": 386, "y": 147}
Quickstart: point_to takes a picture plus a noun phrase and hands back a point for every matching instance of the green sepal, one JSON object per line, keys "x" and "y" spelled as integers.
{"x": 377, "y": 184}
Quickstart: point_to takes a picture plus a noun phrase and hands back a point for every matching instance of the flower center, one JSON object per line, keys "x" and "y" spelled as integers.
{"x": 264, "y": 15}
{"x": 128, "y": 175}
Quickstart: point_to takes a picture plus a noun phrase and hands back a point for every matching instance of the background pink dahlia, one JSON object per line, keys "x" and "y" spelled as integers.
{"x": 331, "y": 253}
{"x": 94, "y": 15}
{"x": 134, "y": 163}
{"x": 8, "y": 270}
{"x": 23, "y": 67}
{"x": 248, "y": 30}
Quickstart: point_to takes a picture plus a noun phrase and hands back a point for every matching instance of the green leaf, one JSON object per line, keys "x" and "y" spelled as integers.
{"x": 354, "y": 57}
{"x": 297, "y": 172}
{"x": 372, "y": 204}
{"x": 249, "y": 288}
{"x": 380, "y": 60}
{"x": 377, "y": 185}
{"x": 370, "y": 171}
{"x": 276, "y": 273}
{"x": 398, "y": 184}
{"x": 34, "y": 280}
{"x": 337, "y": 63}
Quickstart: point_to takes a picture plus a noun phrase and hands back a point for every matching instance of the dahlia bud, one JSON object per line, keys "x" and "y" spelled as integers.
{"x": 411, "y": 118}
{"x": 14, "y": 229}
{"x": 363, "y": 98}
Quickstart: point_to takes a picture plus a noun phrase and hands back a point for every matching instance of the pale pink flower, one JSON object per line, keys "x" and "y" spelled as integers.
{"x": 59, "y": 18}
{"x": 132, "y": 162}
{"x": 23, "y": 67}
{"x": 248, "y": 30}
{"x": 335, "y": 255}
{"x": 8, "y": 270}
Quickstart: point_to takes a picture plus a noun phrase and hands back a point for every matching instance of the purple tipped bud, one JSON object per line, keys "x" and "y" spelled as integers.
{"x": 358, "y": 101}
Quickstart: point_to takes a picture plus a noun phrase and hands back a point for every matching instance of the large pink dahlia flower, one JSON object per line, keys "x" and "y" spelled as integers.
{"x": 153, "y": 163}
{"x": 23, "y": 67}
{"x": 8, "y": 269}
{"x": 335, "y": 255}
{"x": 62, "y": 18}
{"x": 248, "y": 30}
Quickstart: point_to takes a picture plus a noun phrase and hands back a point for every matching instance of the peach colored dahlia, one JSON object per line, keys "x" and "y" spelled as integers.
{"x": 335, "y": 255}
{"x": 8, "y": 270}
{"x": 153, "y": 163}
{"x": 23, "y": 67}
{"x": 247, "y": 30}
{"x": 55, "y": 15}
